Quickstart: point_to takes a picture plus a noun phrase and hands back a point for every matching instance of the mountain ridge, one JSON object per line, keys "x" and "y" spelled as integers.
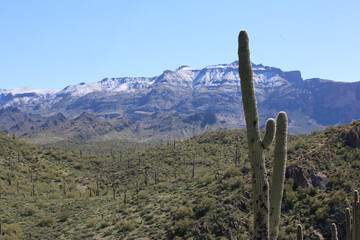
{"x": 311, "y": 104}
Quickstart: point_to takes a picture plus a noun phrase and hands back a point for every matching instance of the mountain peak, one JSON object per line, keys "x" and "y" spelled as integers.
{"x": 86, "y": 116}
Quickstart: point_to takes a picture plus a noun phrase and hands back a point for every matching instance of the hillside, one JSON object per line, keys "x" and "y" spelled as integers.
{"x": 88, "y": 127}
{"x": 187, "y": 189}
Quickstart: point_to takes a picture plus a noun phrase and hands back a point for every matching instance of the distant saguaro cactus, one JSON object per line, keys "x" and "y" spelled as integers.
{"x": 299, "y": 234}
{"x": 266, "y": 216}
{"x": 334, "y": 234}
{"x": 237, "y": 156}
{"x": 353, "y": 228}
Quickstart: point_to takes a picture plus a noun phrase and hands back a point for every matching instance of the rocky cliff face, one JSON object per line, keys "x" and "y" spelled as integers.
{"x": 310, "y": 104}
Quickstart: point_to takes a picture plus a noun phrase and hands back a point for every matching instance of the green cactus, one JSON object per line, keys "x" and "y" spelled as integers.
{"x": 334, "y": 234}
{"x": 266, "y": 223}
{"x": 299, "y": 234}
{"x": 278, "y": 174}
{"x": 193, "y": 169}
{"x": 353, "y": 230}
{"x": 146, "y": 178}
{"x": 237, "y": 156}
{"x": 348, "y": 224}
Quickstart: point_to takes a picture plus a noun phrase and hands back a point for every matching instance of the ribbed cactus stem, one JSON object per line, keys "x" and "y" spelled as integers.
{"x": 348, "y": 224}
{"x": 278, "y": 176}
{"x": 299, "y": 233}
{"x": 334, "y": 234}
{"x": 260, "y": 184}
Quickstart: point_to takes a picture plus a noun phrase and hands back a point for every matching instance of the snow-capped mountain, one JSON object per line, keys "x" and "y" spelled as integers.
{"x": 311, "y": 104}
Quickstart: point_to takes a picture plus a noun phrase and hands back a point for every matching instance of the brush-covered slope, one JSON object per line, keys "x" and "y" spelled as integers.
{"x": 175, "y": 190}
{"x": 88, "y": 127}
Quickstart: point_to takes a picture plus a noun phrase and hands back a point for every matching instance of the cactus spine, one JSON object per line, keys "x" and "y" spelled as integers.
{"x": 260, "y": 184}
{"x": 299, "y": 234}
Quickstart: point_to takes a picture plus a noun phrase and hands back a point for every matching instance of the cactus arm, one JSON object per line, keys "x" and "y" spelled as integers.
{"x": 348, "y": 224}
{"x": 269, "y": 133}
{"x": 299, "y": 233}
{"x": 334, "y": 234}
{"x": 260, "y": 185}
{"x": 278, "y": 177}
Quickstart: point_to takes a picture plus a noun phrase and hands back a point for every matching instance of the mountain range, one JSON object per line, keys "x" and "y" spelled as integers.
{"x": 177, "y": 103}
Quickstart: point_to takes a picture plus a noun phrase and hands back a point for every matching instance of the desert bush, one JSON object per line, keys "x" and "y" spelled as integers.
{"x": 206, "y": 179}
{"x": 182, "y": 226}
{"x": 91, "y": 222}
{"x": 29, "y": 210}
{"x": 126, "y": 226}
{"x": 46, "y": 221}
{"x": 122, "y": 208}
{"x": 205, "y": 205}
{"x": 13, "y": 229}
{"x": 163, "y": 185}
{"x": 54, "y": 195}
{"x": 141, "y": 196}
{"x": 182, "y": 212}
{"x": 232, "y": 172}
{"x": 64, "y": 215}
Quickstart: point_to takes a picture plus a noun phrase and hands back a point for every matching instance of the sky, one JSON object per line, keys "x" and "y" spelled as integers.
{"x": 52, "y": 44}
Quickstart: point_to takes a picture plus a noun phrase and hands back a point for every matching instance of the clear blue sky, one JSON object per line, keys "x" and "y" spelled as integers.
{"x": 52, "y": 44}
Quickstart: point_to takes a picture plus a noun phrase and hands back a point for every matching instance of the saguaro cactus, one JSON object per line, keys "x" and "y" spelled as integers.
{"x": 263, "y": 218}
{"x": 348, "y": 224}
{"x": 299, "y": 234}
{"x": 334, "y": 234}
{"x": 237, "y": 156}
{"x": 353, "y": 229}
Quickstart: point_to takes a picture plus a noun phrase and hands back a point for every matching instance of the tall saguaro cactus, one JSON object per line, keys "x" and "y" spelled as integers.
{"x": 265, "y": 215}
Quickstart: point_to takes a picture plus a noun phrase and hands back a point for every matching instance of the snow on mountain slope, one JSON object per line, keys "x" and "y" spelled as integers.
{"x": 223, "y": 77}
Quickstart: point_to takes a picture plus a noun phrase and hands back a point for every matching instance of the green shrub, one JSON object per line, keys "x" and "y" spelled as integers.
{"x": 46, "y": 221}
{"x": 232, "y": 172}
{"x": 141, "y": 196}
{"x": 54, "y": 195}
{"x": 12, "y": 229}
{"x": 64, "y": 215}
{"x": 122, "y": 208}
{"x": 182, "y": 212}
{"x": 30, "y": 210}
{"x": 182, "y": 226}
{"x": 205, "y": 205}
{"x": 163, "y": 185}
{"x": 206, "y": 179}
{"x": 126, "y": 226}
{"x": 91, "y": 222}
